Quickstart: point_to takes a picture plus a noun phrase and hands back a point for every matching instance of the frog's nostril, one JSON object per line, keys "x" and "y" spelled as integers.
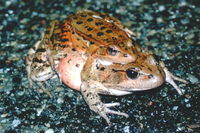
{"x": 150, "y": 76}
{"x": 125, "y": 55}
{"x": 131, "y": 73}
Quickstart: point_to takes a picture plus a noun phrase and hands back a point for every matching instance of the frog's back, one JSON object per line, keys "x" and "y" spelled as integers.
{"x": 100, "y": 29}
{"x": 61, "y": 39}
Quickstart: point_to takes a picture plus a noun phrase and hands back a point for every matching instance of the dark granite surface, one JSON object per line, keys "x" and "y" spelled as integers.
{"x": 170, "y": 29}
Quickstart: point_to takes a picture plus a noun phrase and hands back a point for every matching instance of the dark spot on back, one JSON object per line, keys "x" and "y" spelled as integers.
{"x": 89, "y": 29}
{"x": 64, "y": 40}
{"x": 98, "y": 23}
{"x": 90, "y": 19}
{"x": 99, "y": 33}
{"x": 79, "y": 22}
{"x": 102, "y": 28}
{"x": 77, "y": 65}
{"x": 109, "y": 31}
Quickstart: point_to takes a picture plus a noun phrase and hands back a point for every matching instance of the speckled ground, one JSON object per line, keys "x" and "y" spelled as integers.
{"x": 170, "y": 29}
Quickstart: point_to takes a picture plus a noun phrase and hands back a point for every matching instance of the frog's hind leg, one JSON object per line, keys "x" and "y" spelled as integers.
{"x": 90, "y": 90}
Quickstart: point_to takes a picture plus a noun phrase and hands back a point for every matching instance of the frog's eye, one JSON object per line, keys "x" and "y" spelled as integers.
{"x": 131, "y": 73}
{"x": 112, "y": 51}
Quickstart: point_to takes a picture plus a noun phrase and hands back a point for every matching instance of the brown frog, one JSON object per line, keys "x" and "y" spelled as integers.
{"x": 93, "y": 53}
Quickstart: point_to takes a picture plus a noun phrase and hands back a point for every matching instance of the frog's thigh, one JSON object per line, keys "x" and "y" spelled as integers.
{"x": 90, "y": 90}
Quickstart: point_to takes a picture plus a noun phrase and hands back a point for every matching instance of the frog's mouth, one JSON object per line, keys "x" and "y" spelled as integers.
{"x": 142, "y": 83}
{"x": 128, "y": 87}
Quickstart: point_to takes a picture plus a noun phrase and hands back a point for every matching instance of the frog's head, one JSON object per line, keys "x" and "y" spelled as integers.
{"x": 143, "y": 74}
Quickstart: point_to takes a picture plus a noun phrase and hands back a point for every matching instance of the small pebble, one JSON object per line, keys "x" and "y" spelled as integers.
{"x": 15, "y": 123}
{"x": 49, "y": 130}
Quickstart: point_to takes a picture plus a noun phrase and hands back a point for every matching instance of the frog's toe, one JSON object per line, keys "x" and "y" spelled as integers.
{"x": 104, "y": 110}
{"x": 109, "y": 111}
{"x": 111, "y": 104}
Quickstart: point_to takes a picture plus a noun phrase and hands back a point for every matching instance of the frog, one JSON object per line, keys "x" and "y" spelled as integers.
{"x": 88, "y": 32}
{"x": 95, "y": 54}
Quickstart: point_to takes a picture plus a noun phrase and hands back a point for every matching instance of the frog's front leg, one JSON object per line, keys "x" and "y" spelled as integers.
{"x": 90, "y": 90}
{"x": 39, "y": 66}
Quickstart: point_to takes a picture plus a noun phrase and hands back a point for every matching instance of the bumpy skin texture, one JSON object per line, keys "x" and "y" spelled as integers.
{"x": 93, "y": 53}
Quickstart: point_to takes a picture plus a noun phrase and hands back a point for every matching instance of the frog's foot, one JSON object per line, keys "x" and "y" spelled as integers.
{"x": 104, "y": 109}
{"x": 90, "y": 91}
{"x": 170, "y": 79}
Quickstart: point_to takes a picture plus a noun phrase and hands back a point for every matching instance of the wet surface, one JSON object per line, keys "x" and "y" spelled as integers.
{"x": 169, "y": 29}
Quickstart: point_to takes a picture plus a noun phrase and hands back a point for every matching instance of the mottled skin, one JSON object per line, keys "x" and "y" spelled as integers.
{"x": 93, "y": 53}
{"x": 105, "y": 32}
